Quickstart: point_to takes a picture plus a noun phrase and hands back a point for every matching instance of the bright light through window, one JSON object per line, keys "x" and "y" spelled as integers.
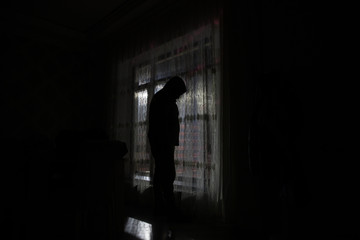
{"x": 195, "y": 58}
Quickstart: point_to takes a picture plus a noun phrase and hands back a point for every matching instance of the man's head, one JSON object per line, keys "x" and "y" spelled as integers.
{"x": 175, "y": 87}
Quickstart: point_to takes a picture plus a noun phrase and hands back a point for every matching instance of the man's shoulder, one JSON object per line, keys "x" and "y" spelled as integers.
{"x": 158, "y": 96}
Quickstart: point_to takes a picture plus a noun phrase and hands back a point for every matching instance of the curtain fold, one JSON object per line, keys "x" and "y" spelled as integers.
{"x": 194, "y": 56}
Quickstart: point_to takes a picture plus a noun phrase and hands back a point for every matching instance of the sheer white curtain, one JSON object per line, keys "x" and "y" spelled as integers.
{"x": 195, "y": 57}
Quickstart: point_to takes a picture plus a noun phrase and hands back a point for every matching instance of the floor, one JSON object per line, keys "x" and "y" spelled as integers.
{"x": 145, "y": 227}
{"x": 141, "y": 225}
{"x": 137, "y": 229}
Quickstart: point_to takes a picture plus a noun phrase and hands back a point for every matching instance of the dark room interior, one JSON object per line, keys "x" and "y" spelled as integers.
{"x": 284, "y": 168}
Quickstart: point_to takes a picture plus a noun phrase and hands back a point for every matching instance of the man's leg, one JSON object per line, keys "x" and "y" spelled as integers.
{"x": 169, "y": 199}
{"x": 164, "y": 177}
{"x": 159, "y": 200}
{"x": 168, "y": 184}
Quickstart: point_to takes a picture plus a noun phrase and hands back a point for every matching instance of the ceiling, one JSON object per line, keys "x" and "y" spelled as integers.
{"x": 71, "y": 18}
{"x": 77, "y": 15}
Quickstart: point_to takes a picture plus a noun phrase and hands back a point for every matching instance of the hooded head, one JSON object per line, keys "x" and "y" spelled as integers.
{"x": 175, "y": 87}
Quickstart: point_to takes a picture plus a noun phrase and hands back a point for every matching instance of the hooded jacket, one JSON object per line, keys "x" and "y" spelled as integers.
{"x": 164, "y": 127}
{"x": 164, "y": 124}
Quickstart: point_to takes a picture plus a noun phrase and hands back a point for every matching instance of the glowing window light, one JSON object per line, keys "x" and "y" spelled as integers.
{"x": 141, "y": 99}
{"x": 158, "y": 87}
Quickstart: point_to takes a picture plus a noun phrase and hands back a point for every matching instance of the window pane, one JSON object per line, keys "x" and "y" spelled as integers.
{"x": 140, "y": 152}
{"x": 159, "y": 87}
{"x": 143, "y": 75}
{"x": 141, "y": 98}
{"x": 194, "y": 58}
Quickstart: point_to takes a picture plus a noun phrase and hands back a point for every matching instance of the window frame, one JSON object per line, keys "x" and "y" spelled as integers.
{"x": 151, "y": 85}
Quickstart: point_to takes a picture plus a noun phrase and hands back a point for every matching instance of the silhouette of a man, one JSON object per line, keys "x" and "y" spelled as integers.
{"x": 163, "y": 136}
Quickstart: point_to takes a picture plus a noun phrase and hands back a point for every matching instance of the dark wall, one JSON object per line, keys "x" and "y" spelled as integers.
{"x": 300, "y": 43}
{"x": 46, "y": 88}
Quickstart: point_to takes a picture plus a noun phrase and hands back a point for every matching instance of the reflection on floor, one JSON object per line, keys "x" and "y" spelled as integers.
{"x": 137, "y": 228}
{"x": 143, "y": 228}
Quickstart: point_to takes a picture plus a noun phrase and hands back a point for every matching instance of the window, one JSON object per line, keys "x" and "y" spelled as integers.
{"x": 194, "y": 57}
